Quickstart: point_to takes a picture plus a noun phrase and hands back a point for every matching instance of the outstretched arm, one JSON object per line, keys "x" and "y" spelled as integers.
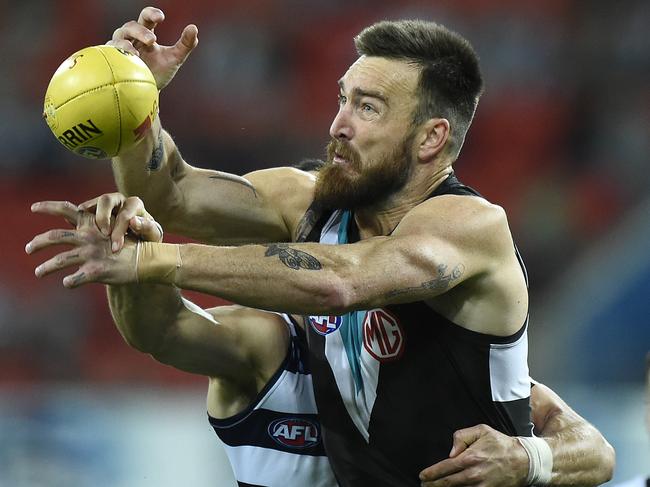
{"x": 206, "y": 205}
{"x": 423, "y": 256}
{"x": 483, "y": 456}
{"x": 228, "y": 343}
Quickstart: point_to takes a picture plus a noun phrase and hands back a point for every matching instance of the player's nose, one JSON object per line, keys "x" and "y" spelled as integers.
{"x": 341, "y": 127}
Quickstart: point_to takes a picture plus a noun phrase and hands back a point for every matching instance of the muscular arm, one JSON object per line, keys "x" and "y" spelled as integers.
{"x": 207, "y": 205}
{"x": 153, "y": 319}
{"x": 422, "y": 259}
{"x": 313, "y": 278}
{"x": 229, "y": 342}
{"x": 581, "y": 455}
{"x": 486, "y": 457}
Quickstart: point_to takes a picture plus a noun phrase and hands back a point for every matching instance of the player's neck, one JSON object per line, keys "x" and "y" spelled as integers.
{"x": 382, "y": 219}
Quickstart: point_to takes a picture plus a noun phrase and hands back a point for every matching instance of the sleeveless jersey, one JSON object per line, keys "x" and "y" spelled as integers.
{"x": 277, "y": 440}
{"x": 392, "y": 384}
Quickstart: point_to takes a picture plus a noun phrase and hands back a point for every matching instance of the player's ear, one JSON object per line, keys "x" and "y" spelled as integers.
{"x": 433, "y": 134}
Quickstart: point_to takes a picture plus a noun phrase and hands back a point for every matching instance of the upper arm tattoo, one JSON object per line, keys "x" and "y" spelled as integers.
{"x": 438, "y": 284}
{"x": 235, "y": 179}
{"x": 157, "y": 154}
{"x": 292, "y": 258}
{"x": 306, "y": 225}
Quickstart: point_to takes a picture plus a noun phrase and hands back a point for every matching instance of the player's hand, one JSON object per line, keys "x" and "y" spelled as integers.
{"x": 116, "y": 213}
{"x": 138, "y": 38}
{"x": 480, "y": 456}
{"x": 91, "y": 249}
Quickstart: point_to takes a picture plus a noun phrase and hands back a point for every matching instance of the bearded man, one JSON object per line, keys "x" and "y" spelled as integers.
{"x": 412, "y": 291}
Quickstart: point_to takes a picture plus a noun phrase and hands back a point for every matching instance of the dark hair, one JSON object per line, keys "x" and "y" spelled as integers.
{"x": 309, "y": 165}
{"x": 450, "y": 81}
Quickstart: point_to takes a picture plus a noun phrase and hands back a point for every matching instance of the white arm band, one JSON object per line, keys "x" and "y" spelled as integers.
{"x": 540, "y": 460}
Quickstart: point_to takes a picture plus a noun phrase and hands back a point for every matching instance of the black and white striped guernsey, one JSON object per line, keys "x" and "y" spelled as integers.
{"x": 392, "y": 384}
{"x": 277, "y": 440}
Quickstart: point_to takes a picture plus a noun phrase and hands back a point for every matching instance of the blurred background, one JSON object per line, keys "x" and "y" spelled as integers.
{"x": 561, "y": 140}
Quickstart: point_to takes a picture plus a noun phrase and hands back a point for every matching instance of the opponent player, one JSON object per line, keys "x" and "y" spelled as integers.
{"x": 449, "y": 322}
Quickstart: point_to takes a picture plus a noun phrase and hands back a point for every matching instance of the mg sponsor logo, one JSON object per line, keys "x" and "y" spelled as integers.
{"x": 383, "y": 336}
{"x": 295, "y": 432}
{"x": 324, "y": 325}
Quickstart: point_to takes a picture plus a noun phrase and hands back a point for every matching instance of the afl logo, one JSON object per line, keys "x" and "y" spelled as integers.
{"x": 383, "y": 337}
{"x": 295, "y": 432}
{"x": 324, "y": 325}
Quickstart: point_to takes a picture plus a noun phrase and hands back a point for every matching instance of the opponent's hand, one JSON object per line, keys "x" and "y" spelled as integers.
{"x": 91, "y": 249}
{"x": 138, "y": 38}
{"x": 115, "y": 214}
{"x": 480, "y": 456}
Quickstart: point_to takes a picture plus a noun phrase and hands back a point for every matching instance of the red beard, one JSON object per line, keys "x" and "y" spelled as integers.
{"x": 353, "y": 186}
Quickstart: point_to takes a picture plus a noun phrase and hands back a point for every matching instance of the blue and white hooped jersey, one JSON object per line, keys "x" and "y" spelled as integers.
{"x": 277, "y": 441}
{"x": 393, "y": 384}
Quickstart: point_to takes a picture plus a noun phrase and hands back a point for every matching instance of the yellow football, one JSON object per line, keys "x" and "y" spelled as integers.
{"x": 101, "y": 101}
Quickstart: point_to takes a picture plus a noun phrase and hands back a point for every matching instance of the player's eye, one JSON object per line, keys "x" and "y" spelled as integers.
{"x": 342, "y": 99}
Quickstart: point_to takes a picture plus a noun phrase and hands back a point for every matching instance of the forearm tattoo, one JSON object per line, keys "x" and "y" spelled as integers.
{"x": 439, "y": 284}
{"x": 292, "y": 258}
{"x": 235, "y": 179}
{"x": 157, "y": 155}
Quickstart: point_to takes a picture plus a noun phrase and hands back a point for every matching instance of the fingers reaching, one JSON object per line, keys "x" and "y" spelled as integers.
{"x": 114, "y": 215}
{"x": 75, "y": 280}
{"x": 132, "y": 35}
{"x": 131, "y": 207}
{"x": 61, "y": 261}
{"x": 188, "y": 41}
{"x": 150, "y": 17}
{"x": 90, "y": 248}
{"x": 64, "y": 209}
{"x": 50, "y": 238}
{"x": 146, "y": 229}
{"x": 104, "y": 207}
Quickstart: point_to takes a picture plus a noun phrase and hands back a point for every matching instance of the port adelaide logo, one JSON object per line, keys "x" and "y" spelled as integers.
{"x": 324, "y": 325}
{"x": 295, "y": 433}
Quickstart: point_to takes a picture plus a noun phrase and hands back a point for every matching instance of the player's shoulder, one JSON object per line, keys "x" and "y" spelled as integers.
{"x": 262, "y": 335}
{"x": 288, "y": 189}
{"x": 282, "y": 178}
{"x": 467, "y": 216}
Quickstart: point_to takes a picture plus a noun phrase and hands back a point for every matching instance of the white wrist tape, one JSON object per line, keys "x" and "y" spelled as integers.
{"x": 157, "y": 262}
{"x": 540, "y": 460}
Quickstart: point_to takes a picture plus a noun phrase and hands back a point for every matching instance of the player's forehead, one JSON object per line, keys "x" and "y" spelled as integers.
{"x": 391, "y": 77}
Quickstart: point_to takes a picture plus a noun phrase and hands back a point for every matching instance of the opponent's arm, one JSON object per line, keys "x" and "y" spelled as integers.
{"x": 233, "y": 343}
{"x": 581, "y": 455}
{"x": 229, "y": 342}
{"x": 206, "y": 205}
{"x": 483, "y": 456}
